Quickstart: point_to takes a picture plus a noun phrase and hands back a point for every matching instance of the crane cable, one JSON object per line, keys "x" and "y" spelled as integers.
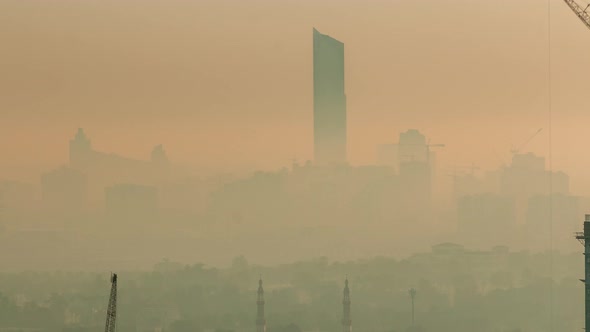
{"x": 550, "y": 109}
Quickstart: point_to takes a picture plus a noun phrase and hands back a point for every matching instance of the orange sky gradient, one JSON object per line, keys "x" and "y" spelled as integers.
{"x": 228, "y": 84}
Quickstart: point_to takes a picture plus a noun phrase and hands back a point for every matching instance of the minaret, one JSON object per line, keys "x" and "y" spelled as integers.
{"x": 346, "y": 321}
{"x": 260, "y": 321}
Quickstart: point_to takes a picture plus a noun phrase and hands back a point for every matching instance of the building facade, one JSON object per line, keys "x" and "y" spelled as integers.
{"x": 329, "y": 100}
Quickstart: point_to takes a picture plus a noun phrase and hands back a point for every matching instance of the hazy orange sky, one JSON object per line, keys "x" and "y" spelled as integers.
{"x": 229, "y": 83}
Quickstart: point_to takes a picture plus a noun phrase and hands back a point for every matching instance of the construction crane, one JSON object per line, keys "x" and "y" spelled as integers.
{"x": 581, "y": 13}
{"x": 516, "y": 151}
{"x": 584, "y": 238}
{"x": 112, "y": 308}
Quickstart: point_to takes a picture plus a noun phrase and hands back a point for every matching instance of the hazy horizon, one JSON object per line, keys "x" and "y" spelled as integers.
{"x": 470, "y": 74}
{"x": 183, "y": 180}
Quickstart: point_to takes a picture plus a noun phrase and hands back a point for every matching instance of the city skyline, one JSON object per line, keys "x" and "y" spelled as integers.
{"x": 433, "y": 152}
{"x": 378, "y": 105}
{"x": 129, "y": 188}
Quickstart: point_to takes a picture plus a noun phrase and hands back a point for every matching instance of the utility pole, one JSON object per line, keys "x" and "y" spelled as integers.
{"x": 413, "y": 297}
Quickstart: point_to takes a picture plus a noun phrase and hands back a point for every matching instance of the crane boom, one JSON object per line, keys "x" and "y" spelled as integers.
{"x": 112, "y": 308}
{"x": 581, "y": 13}
{"x": 515, "y": 151}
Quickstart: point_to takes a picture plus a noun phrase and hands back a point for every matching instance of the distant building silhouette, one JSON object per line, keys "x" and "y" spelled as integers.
{"x": 486, "y": 213}
{"x": 104, "y": 169}
{"x": 64, "y": 189}
{"x": 527, "y": 177}
{"x": 329, "y": 100}
{"x": 346, "y": 316}
{"x": 387, "y": 155}
{"x": 260, "y": 320}
{"x": 557, "y": 213}
{"x": 466, "y": 184}
{"x": 159, "y": 158}
{"x": 131, "y": 202}
{"x": 16, "y": 195}
{"x": 412, "y": 146}
{"x": 415, "y": 169}
{"x": 447, "y": 248}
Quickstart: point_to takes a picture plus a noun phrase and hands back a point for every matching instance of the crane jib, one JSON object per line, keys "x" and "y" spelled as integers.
{"x": 581, "y": 13}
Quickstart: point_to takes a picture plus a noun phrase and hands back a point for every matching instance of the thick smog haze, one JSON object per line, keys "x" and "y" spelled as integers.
{"x": 305, "y": 166}
{"x": 228, "y": 84}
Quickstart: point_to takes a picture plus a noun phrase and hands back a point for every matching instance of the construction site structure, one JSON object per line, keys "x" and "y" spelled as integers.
{"x": 581, "y": 13}
{"x": 584, "y": 238}
{"x": 518, "y": 149}
{"x": 112, "y": 308}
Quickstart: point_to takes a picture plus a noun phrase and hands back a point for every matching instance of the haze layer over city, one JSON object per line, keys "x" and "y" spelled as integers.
{"x": 207, "y": 150}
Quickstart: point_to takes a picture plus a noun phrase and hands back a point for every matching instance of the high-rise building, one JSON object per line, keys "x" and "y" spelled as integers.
{"x": 329, "y": 100}
{"x": 387, "y": 155}
{"x": 527, "y": 177}
{"x": 108, "y": 169}
{"x": 413, "y": 147}
{"x": 415, "y": 170}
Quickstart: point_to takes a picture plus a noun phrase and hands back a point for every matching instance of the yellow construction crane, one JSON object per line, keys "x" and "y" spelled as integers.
{"x": 581, "y": 13}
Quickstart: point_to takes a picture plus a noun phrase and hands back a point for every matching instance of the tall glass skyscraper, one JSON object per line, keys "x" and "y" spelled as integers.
{"x": 329, "y": 100}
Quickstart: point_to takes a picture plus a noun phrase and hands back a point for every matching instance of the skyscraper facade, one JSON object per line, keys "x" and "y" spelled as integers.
{"x": 329, "y": 100}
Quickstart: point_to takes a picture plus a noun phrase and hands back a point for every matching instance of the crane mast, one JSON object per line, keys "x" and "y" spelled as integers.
{"x": 581, "y": 13}
{"x": 112, "y": 308}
